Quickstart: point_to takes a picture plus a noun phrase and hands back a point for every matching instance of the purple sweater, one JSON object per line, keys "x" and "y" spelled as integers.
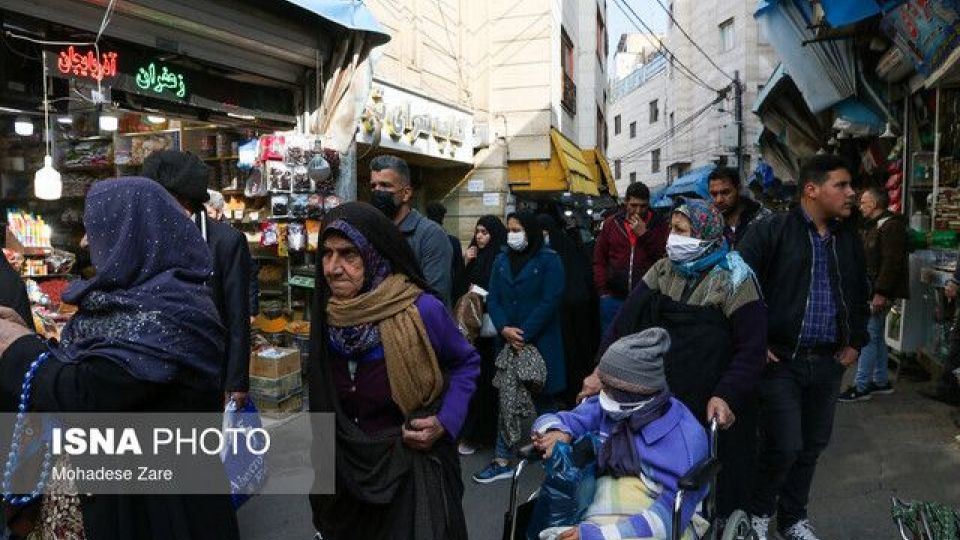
{"x": 668, "y": 447}
{"x": 366, "y": 398}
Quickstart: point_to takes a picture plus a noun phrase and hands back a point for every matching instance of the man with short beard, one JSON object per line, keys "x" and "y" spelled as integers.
{"x": 811, "y": 267}
{"x": 739, "y": 212}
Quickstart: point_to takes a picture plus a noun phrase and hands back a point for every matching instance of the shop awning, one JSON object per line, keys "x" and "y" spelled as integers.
{"x": 824, "y": 71}
{"x": 692, "y": 183}
{"x": 843, "y": 12}
{"x": 601, "y": 171}
{"x": 566, "y": 171}
{"x": 349, "y": 14}
{"x": 779, "y": 76}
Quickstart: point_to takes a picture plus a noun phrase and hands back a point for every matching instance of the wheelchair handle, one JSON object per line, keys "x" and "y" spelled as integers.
{"x": 529, "y": 453}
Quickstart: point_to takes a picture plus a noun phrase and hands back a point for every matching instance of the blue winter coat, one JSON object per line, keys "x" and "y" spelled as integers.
{"x": 531, "y": 301}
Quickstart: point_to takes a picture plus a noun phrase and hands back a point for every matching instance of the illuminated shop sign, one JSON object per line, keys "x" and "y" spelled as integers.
{"x": 73, "y": 62}
{"x": 162, "y": 81}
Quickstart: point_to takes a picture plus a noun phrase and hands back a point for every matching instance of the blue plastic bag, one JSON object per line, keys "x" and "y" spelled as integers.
{"x": 246, "y": 471}
{"x": 568, "y": 488}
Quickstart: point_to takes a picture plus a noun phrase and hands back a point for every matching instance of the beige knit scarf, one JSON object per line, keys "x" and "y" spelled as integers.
{"x": 415, "y": 377}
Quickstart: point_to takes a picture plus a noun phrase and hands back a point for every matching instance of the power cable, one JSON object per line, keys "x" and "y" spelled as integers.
{"x": 695, "y": 44}
{"x": 624, "y": 8}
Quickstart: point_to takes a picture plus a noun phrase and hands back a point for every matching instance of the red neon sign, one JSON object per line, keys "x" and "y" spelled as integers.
{"x": 87, "y": 65}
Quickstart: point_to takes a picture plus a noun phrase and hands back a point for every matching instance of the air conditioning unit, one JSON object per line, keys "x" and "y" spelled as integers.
{"x": 894, "y": 66}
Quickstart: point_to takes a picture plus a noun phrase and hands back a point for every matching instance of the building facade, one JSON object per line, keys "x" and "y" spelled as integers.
{"x": 526, "y": 77}
{"x": 692, "y": 100}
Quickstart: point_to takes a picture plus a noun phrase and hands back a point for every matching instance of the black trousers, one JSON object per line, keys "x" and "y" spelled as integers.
{"x": 737, "y": 451}
{"x": 798, "y": 400}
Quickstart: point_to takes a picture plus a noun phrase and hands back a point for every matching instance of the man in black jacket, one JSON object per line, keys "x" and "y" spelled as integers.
{"x": 739, "y": 211}
{"x": 185, "y": 177}
{"x": 810, "y": 264}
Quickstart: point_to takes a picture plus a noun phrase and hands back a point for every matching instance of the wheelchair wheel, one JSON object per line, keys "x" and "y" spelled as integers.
{"x": 738, "y": 527}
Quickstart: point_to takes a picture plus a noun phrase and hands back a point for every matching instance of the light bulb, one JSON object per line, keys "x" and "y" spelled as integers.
{"x": 46, "y": 182}
{"x": 568, "y": 213}
{"x": 23, "y": 126}
{"x": 65, "y": 120}
{"x": 109, "y": 122}
{"x": 589, "y": 211}
{"x": 153, "y": 119}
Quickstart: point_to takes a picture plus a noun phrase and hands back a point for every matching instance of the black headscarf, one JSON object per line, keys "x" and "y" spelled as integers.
{"x": 181, "y": 173}
{"x": 518, "y": 259}
{"x": 479, "y": 269}
{"x": 13, "y": 293}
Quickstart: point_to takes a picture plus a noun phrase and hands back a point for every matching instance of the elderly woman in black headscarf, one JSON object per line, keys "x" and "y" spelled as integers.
{"x": 393, "y": 367}
{"x": 146, "y": 338}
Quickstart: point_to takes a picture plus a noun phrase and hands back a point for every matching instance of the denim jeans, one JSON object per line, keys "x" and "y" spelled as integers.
{"x": 873, "y": 357}
{"x": 609, "y": 307}
{"x": 798, "y": 398}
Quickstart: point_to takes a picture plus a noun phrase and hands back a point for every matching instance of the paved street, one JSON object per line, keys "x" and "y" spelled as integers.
{"x": 892, "y": 445}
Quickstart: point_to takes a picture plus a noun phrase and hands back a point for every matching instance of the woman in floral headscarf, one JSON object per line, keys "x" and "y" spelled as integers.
{"x": 719, "y": 296}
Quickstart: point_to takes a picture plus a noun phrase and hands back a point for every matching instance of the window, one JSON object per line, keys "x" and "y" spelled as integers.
{"x": 601, "y": 130}
{"x": 633, "y": 130}
{"x": 633, "y": 177}
{"x": 616, "y": 125}
{"x": 655, "y": 161}
{"x": 671, "y": 124}
{"x": 601, "y": 39}
{"x": 654, "y": 111}
{"x": 727, "y": 36}
{"x": 616, "y": 169}
{"x": 569, "y": 98}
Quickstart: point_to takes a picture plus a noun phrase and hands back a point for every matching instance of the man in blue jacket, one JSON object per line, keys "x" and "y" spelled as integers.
{"x": 811, "y": 267}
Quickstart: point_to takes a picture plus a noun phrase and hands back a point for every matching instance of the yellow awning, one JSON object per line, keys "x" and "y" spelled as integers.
{"x": 567, "y": 170}
{"x": 601, "y": 170}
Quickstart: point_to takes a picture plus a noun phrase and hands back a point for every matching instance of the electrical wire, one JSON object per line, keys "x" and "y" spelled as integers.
{"x": 677, "y": 129}
{"x": 695, "y": 44}
{"x": 624, "y": 8}
{"x": 46, "y": 106}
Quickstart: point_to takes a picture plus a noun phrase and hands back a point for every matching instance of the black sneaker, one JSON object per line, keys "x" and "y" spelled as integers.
{"x": 852, "y": 394}
{"x": 874, "y": 388}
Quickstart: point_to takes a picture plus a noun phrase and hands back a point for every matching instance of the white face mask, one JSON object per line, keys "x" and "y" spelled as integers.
{"x": 517, "y": 240}
{"x": 684, "y": 248}
{"x": 617, "y": 411}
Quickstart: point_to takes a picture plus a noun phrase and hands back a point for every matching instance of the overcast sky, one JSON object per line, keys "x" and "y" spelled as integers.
{"x": 617, "y": 22}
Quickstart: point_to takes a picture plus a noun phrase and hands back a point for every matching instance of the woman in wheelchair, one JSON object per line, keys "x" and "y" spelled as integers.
{"x": 649, "y": 441}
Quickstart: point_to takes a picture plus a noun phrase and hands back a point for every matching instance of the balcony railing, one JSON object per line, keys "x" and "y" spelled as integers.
{"x": 569, "y": 99}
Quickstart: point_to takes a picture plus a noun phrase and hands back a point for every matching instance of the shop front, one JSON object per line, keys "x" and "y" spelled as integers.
{"x": 108, "y": 106}
{"x": 434, "y": 138}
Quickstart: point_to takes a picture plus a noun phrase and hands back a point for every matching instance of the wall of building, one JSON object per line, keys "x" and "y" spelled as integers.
{"x": 711, "y": 136}
{"x": 634, "y": 153}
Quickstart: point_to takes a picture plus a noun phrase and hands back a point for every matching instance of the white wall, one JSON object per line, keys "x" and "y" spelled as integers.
{"x": 634, "y": 154}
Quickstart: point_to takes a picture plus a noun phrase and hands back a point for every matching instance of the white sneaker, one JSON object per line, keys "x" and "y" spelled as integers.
{"x": 466, "y": 449}
{"x": 760, "y": 525}
{"x": 801, "y": 530}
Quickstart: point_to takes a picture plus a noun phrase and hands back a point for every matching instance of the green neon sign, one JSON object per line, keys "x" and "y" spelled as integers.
{"x": 149, "y": 79}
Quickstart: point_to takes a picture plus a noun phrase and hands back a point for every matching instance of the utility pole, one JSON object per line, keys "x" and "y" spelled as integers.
{"x": 738, "y": 98}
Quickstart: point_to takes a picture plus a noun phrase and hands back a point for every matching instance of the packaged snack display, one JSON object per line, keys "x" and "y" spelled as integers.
{"x": 255, "y": 185}
{"x": 300, "y": 150}
{"x": 297, "y": 237}
{"x": 299, "y": 205}
{"x": 279, "y": 177}
{"x": 247, "y": 154}
{"x": 272, "y": 147}
{"x": 313, "y": 234}
{"x": 280, "y": 205}
{"x": 282, "y": 240}
{"x": 270, "y": 234}
{"x": 301, "y": 182}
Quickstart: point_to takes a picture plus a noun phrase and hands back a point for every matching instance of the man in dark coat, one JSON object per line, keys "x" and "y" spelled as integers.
{"x": 13, "y": 293}
{"x": 185, "y": 177}
{"x": 739, "y": 212}
{"x": 810, "y": 265}
{"x": 436, "y": 212}
{"x": 885, "y": 248}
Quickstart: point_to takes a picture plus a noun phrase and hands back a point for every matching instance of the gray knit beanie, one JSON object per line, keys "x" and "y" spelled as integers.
{"x": 634, "y": 364}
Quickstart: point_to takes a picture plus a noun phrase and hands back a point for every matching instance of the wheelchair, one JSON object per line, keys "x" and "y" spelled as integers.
{"x": 735, "y": 527}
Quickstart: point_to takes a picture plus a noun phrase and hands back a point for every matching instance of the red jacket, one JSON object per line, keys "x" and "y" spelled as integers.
{"x": 619, "y": 266}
